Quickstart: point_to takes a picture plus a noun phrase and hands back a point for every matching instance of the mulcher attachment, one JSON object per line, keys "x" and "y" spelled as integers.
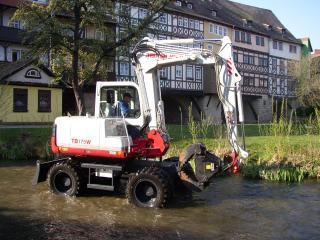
{"x": 197, "y": 166}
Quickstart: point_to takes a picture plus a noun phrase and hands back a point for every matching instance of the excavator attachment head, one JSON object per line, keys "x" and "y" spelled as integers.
{"x": 197, "y": 166}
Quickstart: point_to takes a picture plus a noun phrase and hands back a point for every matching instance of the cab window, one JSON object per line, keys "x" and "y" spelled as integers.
{"x": 119, "y": 101}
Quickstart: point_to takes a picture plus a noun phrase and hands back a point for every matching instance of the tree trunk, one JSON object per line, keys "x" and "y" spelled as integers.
{"x": 77, "y": 90}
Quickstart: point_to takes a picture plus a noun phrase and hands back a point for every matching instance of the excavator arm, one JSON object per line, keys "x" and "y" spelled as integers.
{"x": 151, "y": 55}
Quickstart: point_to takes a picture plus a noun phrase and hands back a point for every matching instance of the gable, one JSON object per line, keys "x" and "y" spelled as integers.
{"x": 31, "y": 74}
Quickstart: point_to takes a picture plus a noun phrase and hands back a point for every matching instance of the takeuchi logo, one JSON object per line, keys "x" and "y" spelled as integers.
{"x": 161, "y": 56}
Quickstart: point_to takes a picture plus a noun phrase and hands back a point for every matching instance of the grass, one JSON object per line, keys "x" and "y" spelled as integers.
{"x": 283, "y": 150}
{"x": 24, "y": 143}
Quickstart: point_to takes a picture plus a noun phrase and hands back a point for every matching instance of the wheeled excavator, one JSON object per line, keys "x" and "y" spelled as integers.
{"x": 112, "y": 150}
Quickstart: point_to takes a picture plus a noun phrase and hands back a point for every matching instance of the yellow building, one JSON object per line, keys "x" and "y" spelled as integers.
{"x": 28, "y": 94}
{"x": 214, "y": 30}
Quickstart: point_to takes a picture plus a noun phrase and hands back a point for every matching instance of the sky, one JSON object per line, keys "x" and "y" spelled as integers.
{"x": 301, "y": 18}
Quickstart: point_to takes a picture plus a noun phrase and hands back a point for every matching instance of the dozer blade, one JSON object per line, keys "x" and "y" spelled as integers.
{"x": 197, "y": 166}
{"x": 42, "y": 171}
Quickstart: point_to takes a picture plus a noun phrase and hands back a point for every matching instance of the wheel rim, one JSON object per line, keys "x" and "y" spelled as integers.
{"x": 62, "y": 182}
{"x": 146, "y": 192}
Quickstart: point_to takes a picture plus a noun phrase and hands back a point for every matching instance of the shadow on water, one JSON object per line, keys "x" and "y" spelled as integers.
{"x": 13, "y": 226}
{"x": 17, "y": 163}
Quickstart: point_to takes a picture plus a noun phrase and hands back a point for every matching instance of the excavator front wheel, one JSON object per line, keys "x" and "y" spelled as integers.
{"x": 149, "y": 188}
{"x": 63, "y": 180}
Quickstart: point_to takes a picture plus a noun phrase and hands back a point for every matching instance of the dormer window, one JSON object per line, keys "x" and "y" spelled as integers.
{"x": 189, "y": 5}
{"x": 213, "y": 13}
{"x": 268, "y": 27}
{"x": 33, "y": 73}
{"x": 178, "y": 3}
{"x": 247, "y": 22}
{"x": 283, "y": 30}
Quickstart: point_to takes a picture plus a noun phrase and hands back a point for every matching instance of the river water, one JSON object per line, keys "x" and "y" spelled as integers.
{"x": 231, "y": 208}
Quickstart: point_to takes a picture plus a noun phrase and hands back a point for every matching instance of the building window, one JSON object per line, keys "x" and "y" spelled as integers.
{"x": 248, "y": 81}
{"x": 247, "y": 59}
{"x": 243, "y": 36}
{"x": 163, "y": 18}
{"x": 198, "y": 73}
{"x": 293, "y": 49}
{"x": 142, "y": 13}
{"x": 124, "y": 68}
{"x": 263, "y": 62}
{"x": 235, "y": 57}
{"x": 217, "y": 29}
{"x": 33, "y": 73}
{"x": 197, "y": 25}
{"x": 213, "y": 13}
{"x": 99, "y": 35}
{"x": 163, "y": 73}
{"x": 189, "y": 5}
{"x": 191, "y": 23}
{"x": 220, "y": 31}
{"x": 20, "y": 100}
{"x": 275, "y": 45}
{"x": 248, "y": 38}
{"x": 280, "y": 45}
{"x": 237, "y": 36}
{"x": 178, "y": 3}
{"x": 179, "y": 71}
{"x": 211, "y": 28}
{"x": 44, "y": 101}
{"x": 282, "y": 66}
{"x": 189, "y": 72}
{"x": 210, "y": 47}
{"x": 16, "y": 55}
{"x": 258, "y": 42}
{"x": 180, "y": 21}
{"x": 185, "y": 22}
{"x": 274, "y": 64}
{"x": 15, "y": 24}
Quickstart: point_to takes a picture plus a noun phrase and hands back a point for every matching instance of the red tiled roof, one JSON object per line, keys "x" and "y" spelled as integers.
{"x": 10, "y": 3}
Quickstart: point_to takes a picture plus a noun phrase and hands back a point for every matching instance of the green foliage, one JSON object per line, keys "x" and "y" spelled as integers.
{"x": 307, "y": 74}
{"x": 193, "y": 126}
{"x": 16, "y": 144}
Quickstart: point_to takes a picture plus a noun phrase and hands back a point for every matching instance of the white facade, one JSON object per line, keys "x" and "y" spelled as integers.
{"x": 282, "y": 49}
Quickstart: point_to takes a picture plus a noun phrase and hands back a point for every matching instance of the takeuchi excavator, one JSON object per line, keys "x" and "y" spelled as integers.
{"x": 112, "y": 150}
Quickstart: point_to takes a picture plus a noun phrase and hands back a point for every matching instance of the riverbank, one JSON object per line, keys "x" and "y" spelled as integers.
{"x": 289, "y": 158}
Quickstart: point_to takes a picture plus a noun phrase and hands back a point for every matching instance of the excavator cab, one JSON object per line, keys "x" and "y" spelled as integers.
{"x": 119, "y": 100}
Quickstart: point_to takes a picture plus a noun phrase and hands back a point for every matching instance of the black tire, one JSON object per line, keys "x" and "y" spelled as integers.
{"x": 149, "y": 188}
{"x": 63, "y": 180}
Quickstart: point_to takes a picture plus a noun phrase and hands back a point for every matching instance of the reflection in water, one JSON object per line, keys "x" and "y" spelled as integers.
{"x": 231, "y": 208}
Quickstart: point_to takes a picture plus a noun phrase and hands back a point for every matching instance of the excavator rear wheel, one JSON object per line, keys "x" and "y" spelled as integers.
{"x": 63, "y": 179}
{"x": 149, "y": 188}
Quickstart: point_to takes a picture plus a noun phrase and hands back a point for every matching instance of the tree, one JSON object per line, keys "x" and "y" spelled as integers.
{"x": 58, "y": 30}
{"x": 307, "y": 74}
